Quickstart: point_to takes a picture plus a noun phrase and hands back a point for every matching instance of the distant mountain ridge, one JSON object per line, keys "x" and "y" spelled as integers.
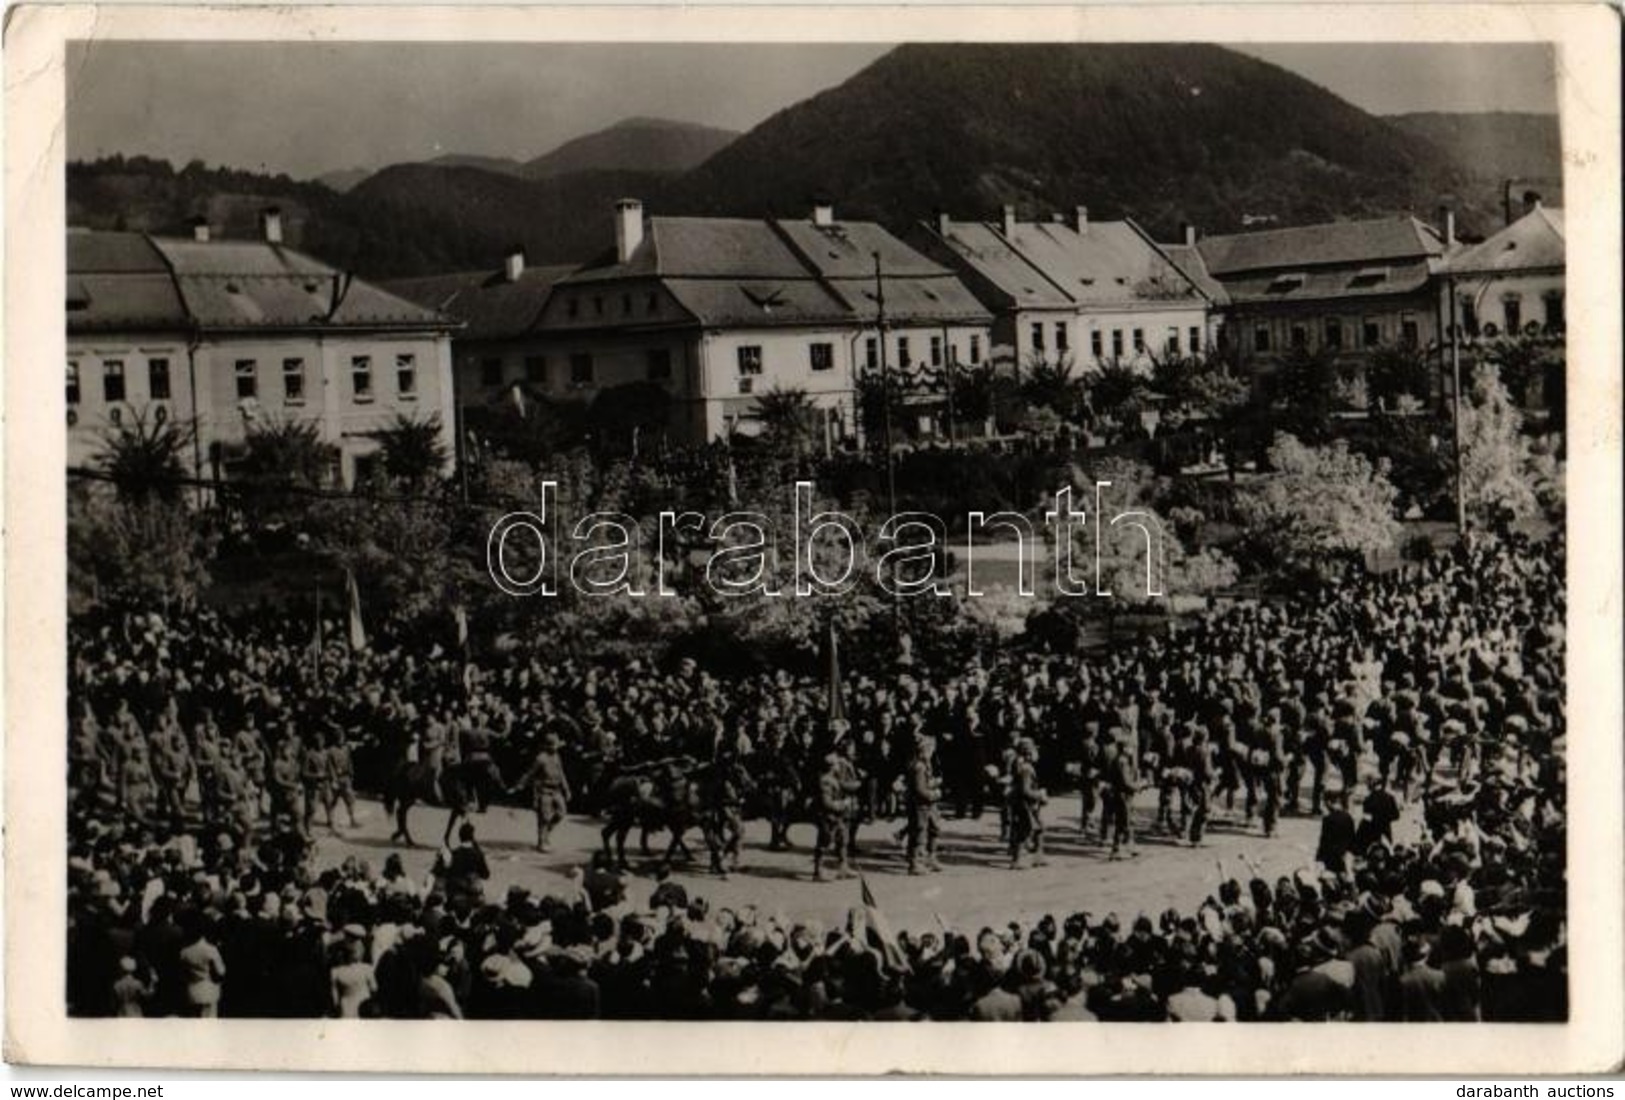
{"x": 1163, "y": 133}
{"x": 1493, "y": 146}
{"x": 633, "y": 144}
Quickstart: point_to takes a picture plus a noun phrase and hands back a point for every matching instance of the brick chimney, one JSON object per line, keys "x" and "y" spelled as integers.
{"x": 1447, "y": 225}
{"x": 628, "y": 228}
{"x": 514, "y": 266}
{"x": 271, "y": 225}
{"x": 1080, "y": 219}
{"x": 823, "y": 213}
{"x": 200, "y": 228}
{"x": 1009, "y": 221}
{"x": 945, "y": 224}
{"x": 1187, "y": 233}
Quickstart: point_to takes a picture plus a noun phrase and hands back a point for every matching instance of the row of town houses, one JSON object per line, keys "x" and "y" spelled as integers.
{"x": 227, "y": 334}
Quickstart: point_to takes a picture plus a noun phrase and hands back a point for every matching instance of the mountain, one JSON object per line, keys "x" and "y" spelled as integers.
{"x": 1495, "y": 146}
{"x": 343, "y": 179}
{"x": 471, "y": 212}
{"x": 506, "y": 166}
{"x": 1164, "y": 133}
{"x": 633, "y": 145}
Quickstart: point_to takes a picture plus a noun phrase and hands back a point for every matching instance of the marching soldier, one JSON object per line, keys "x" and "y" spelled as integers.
{"x": 728, "y": 799}
{"x": 285, "y": 784}
{"x": 1026, "y": 806}
{"x": 1122, "y": 781}
{"x": 834, "y": 815}
{"x": 313, "y": 775}
{"x": 550, "y": 790}
{"x": 340, "y": 778}
{"x": 922, "y": 793}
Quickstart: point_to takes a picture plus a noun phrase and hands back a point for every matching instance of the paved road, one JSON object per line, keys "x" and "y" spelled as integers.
{"x": 976, "y": 887}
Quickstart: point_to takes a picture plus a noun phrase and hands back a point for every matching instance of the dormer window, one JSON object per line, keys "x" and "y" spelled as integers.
{"x": 1368, "y": 277}
{"x": 765, "y": 300}
{"x": 1286, "y": 284}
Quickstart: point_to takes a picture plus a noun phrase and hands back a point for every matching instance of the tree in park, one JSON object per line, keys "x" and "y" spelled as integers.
{"x": 787, "y": 416}
{"x": 413, "y": 451}
{"x": 1500, "y": 472}
{"x": 143, "y": 458}
{"x": 1320, "y": 505}
{"x": 154, "y": 551}
{"x": 1395, "y": 373}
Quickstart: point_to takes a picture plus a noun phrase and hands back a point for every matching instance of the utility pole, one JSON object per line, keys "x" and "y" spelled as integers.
{"x": 885, "y": 389}
{"x": 1455, "y": 404}
{"x": 949, "y": 355}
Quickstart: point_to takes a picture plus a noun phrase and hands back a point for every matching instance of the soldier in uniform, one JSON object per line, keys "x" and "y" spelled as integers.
{"x": 171, "y": 760}
{"x": 208, "y": 754}
{"x": 1197, "y": 759}
{"x": 478, "y": 768}
{"x": 728, "y": 790}
{"x": 834, "y": 814}
{"x": 313, "y": 775}
{"x": 1026, "y": 800}
{"x": 340, "y": 778}
{"x": 921, "y": 794}
{"x": 1088, "y": 774}
{"x": 846, "y": 764}
{"x": 1122, "y": 781}
{"x": 248, "y": 750}
{"x": 138, "y": 793}
{"x": 550, "y": 790}
{"x": 285, "y": 784}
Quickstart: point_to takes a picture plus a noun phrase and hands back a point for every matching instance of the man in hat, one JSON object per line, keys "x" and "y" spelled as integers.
{"x": 922, "y": 792}
{"x": 1026, "y": 800}
{"x": 1336, "y": 834}
{"x": 1122, "y": 782}
{"x": 834, "y": 813}
{"x": 549, "y": 788}
{"x": 313, "y": 775}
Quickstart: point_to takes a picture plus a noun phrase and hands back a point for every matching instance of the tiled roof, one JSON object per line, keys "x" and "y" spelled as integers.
{"x": 490, "y": 307}
{"x": 130, "y": 279}
{"x": 749, "y": 272}
{"x": 1188, "y": 259}
{"x": 1042, "y": 265}
{"x": 1327, "y": 283}
{"x": 119, "y": 280}
{"x": 1533, "y": 242}
{"x": 1385, "y": 239}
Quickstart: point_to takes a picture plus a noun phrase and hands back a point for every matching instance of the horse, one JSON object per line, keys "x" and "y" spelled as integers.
{"x": 666, "y": 798}
{"x": 463, "y": 787}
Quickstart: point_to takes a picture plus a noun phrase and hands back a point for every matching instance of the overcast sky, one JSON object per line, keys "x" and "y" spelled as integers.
{"x": 306, "y": 108}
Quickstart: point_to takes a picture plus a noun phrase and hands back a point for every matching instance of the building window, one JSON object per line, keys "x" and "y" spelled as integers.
{"x": 1409, "y": 334}
{"x": 750, "y": 360}
{"x": 1261, "y": 338}
{"x": 536, "y": 370}
{"x": 406, "y": 376}
{"x": 581, "y": 369}
{"x": 936, "y": 351}
{"x": 821, "y": 356}
{"x": 626, "y": 304}
{"x": 73, "y": 382}
{"x": 1038, "y": 336}
{"x": 659, "y": 364}
{"x": 1467, "y": 312}
{"x": 1172, "y": 346}
{"x": 1139, "y": 341}
{"x": 904, "y": 359}
{"x": 490, "y": 372}
{"x": 248, "y": 383}
{"x": 293, "y": 381}
{"x": 1334, "y": 333}
{"x": 1193, "y": 342}
{"x": 572, "y": 307}
{"x": 975, "y": 349}
{"x": 1061, "y": 342}
{"x": 361, "y": 377}
{"x": 1370, "y": 332}
{"x": 597, "y": 306}
{"x": 871, "y": 353}
{"x": 1095, "y": 344}
{"x": 158, "y": 379}
{"x": 1554, "y": 312}
{"x": 1300, "y": 336}
{"x": 1512, "y": 308}
{"x": 1117, "y": 343}
{"x": 653, "y": 305}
